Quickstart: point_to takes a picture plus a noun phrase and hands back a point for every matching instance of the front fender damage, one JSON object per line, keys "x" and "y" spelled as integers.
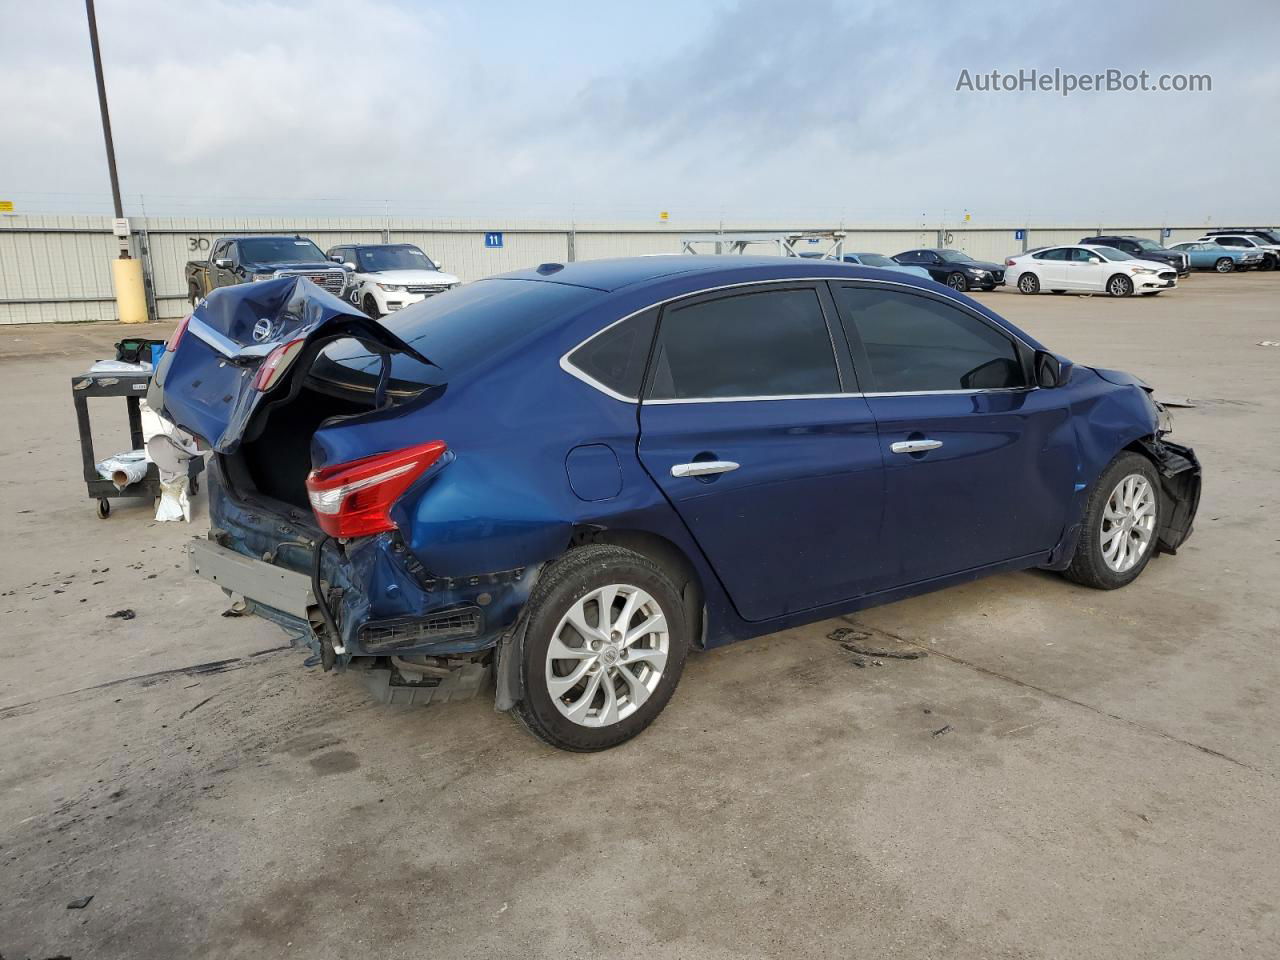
{"x": 1179, "y": 472}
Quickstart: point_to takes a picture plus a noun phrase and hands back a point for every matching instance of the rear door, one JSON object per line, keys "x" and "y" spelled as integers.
{"x": 979, "y": 466}
{"x": 1052, "y": 267}
{"x": 756, "y": 434}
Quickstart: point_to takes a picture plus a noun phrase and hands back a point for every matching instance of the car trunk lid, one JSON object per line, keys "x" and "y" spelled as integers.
{"x": 243, "y": 346}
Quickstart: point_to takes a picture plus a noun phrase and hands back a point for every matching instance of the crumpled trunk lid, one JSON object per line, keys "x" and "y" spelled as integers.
{"x": 207, "y": 386}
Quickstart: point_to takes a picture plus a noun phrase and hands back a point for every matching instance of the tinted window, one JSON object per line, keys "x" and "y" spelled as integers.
{"x": 911, "y": 256}
{"x": 1080, "y": 255}
{"x": 916, "y": 343}
{"x": 1058, "y": 253}
{"x": 468, "y": 326}
{"x": 772, "y": 343}
{"x": 280, "y": 250}
{"x": 617, "y": 356}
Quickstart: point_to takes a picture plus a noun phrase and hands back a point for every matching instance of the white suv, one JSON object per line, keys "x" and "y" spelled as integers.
{"x": 388, "y": 277}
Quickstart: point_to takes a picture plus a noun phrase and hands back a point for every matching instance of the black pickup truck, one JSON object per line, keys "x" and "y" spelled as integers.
{"x": 246, "y": 259}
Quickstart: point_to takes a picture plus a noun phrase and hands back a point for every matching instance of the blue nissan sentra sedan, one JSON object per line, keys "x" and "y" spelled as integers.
{"x": 571, "y": 476}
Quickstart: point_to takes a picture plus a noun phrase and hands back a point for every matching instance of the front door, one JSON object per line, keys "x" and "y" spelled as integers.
{"x": 979, "y": 465}
{"x": 758, "y": 438}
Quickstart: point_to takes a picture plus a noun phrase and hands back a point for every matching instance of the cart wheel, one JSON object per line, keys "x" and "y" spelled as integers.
{"x": 104, "y": 508}
{"x": 195, "y": 485}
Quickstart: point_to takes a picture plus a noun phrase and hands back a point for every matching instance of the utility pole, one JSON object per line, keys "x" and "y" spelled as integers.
{"x": 125, "y": 271}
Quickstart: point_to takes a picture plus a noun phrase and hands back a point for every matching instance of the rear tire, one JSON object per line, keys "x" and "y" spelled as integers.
{"x": 1120, "y": 286}
{"x": 957, "y": 281}
{"x": 589, "y": 689}
{"x": 1114, "y": 549}
{"x": 1029, "y": 283}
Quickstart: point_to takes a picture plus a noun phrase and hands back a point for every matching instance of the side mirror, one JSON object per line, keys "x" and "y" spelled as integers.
{"x": 1051, "y": 370}
{"x": 335, "y": 258}
{"x": 222, "y": 263}
{"x": 1095, "y": 259}
{"x": 349, "y": 265}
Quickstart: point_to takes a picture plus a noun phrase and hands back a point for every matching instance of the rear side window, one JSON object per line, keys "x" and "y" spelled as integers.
{"x": 917, "y": 344}
{"x": 1060, "y": 253}
{"x": 616, "y": 357}
{"x": 765, "y": 344}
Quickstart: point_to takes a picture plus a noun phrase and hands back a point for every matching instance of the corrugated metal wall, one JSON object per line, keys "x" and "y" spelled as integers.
{"x": 57, "y": 268}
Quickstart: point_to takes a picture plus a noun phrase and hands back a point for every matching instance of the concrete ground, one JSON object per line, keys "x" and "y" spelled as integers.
{"x": 1069, "y": 773}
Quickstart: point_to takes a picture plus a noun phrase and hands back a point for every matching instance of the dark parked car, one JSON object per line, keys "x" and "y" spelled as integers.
{"x": 956, "y": 269}
{"x": 577, "y": 474}
{"x": 1140, "y": 248}
{"x": 252, "y": 259}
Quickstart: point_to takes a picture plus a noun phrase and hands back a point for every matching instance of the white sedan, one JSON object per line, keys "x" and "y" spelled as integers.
{"x": 1085, "y": 268}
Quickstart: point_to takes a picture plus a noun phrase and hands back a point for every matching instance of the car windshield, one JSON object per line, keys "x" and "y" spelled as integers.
{"x": 279, "y": 250}
{"x": 956, "y": 256}
{"x": 377, "y": 259}
{"x": 1111, "y": 253}
{"x": 874, "y": 260}
{"x": 1266, "y": 236}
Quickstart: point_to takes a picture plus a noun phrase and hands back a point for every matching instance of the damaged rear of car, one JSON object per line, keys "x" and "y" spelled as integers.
{"x": 333, "y": 491}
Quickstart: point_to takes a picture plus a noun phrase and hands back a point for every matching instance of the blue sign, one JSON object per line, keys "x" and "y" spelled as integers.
{"x": 1019, "y": 234}
{"x": 813, "y": 239}
{"x": 1166, "y": 232}
{"x": 493, "y": 240}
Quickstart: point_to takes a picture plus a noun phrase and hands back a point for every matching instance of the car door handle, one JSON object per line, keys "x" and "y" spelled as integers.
{"x": 915, "y": 446}
{"x": 703, "y": 468}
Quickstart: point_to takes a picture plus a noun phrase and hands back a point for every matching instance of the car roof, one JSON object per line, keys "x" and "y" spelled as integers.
{"x": 614, "y": 274}
{"x": 265, "y": 236}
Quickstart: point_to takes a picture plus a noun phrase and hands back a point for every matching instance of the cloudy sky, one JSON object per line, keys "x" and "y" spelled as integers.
{"x": 725, "y": 108}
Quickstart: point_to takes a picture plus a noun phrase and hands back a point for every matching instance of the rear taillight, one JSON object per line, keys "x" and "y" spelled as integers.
{"x": 1008, "y": 262}
{"x": 172, "y": 345}
{"x": 276, "y": 364}
{"x": 354, "y": 499}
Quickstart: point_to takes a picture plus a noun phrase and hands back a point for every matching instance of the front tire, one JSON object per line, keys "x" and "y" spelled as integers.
{"x": 603, "y": 651}
{"x": 1120, "y": 286}
{"x": 957, "y": 281}
{"x": 1029, "y": 283}
{"x": 193, "y": 295}
{"x": 371, "y": 307}
{"x": 1120, "y": 527}
{"x": 1224, "y": 265}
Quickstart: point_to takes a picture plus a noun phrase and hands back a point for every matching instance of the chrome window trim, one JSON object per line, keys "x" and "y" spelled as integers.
{"x": 841, "y": 396}
{"x": 567, "y": 366}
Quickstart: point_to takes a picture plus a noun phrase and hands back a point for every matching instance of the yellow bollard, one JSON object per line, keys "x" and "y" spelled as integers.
{"x": 131, "y": 300}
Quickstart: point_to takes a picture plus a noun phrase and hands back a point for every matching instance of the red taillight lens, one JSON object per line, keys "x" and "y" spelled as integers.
{"x": 354, "y": 499}
{"x": 181, "y": 328}
{"x": 276, "y": 364}
{"x": 1008, "y": 263}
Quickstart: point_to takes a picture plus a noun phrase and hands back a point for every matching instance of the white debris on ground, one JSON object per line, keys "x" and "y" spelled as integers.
{"x": 171, "y": 449}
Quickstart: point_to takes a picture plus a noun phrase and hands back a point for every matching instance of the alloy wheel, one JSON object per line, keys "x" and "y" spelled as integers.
{"x": 1128, "y": 523}
{"x": 607, "y": 655}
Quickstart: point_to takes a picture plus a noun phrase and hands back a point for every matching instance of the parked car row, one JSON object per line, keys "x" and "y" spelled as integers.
{"x": 380, "y": 278}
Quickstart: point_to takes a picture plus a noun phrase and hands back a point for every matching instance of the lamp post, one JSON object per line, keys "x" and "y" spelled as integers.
{"x": 126, "y": 272}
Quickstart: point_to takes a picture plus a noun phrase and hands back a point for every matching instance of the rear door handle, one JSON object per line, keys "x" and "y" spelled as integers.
{"x": 915, "y": 446}
{"x": 703, "y": 468}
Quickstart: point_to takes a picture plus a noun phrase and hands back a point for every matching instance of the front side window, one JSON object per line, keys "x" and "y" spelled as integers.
{"x": 916, "y": 344}
{"x": 615, "y": 358}
{"x": 765, "y": 344}
{"x": 1081, "y": 255}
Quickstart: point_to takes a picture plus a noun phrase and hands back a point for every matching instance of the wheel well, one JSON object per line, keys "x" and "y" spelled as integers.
{"x": 674, "y": 562}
